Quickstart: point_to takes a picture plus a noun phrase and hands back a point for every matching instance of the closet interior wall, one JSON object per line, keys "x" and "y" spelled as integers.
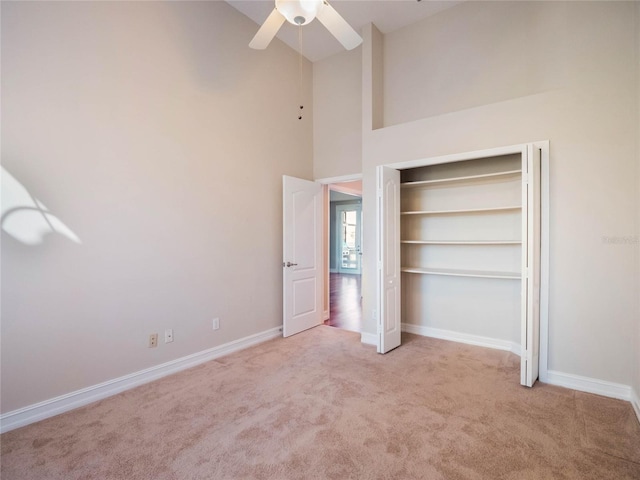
{"x": 461, "y": 249}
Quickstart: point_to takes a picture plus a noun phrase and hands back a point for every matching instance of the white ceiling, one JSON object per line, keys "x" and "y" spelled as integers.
{"x": 318, "y": 43}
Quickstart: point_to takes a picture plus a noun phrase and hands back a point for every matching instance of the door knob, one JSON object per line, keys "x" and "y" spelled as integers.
{"x": 289, "y": 264}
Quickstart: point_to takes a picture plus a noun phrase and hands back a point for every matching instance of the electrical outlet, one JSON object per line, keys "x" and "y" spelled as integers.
{"x": 168, "y": 335}
{"x": 216, "y": 323}
{"x": 153, "y": 340}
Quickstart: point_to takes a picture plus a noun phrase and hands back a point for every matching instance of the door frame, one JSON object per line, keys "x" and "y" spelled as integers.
{"x": 544, "y": 224}
{"x": 326, "y": 182}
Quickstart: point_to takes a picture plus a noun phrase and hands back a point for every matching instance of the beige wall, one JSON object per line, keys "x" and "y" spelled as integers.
{"x": 576, "y": 88}
{"x": 636, "y": 384}
{"x": 469, "y": 57}
{"x": 337, "y": 115}
{"x": 159, "y": 138}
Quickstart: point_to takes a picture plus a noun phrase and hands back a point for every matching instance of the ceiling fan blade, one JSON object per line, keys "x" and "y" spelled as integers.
{"x": 267, "y": 31}
{"x": 339, "y": 27}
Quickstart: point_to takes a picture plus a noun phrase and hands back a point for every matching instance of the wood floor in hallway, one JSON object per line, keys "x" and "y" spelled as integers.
{"x": 346, "y": 302}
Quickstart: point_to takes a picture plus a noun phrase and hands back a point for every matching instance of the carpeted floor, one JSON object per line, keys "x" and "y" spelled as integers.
{"x": 320, "y": 405}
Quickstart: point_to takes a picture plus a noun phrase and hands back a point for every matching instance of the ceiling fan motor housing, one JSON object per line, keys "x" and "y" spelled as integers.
{"x": 299, "y": 12}
{"x": 302, "y": 12}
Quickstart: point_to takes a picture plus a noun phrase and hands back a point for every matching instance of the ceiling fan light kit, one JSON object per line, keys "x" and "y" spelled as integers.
{"x": 299, "y": 12}
{"x": 302, "y": 12}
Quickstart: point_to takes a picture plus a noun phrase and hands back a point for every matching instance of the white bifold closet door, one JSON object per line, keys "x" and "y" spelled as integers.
{"x": 389, "y": 317}
{"x": 531, "y": 206}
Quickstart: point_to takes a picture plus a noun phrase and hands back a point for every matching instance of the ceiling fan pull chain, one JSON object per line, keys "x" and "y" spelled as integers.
{"x": 300, "y": 70}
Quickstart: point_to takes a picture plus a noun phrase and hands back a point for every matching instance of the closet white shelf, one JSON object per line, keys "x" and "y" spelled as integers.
{"x": 422, "y": 183}
{"x": 466, "y": 210}
{"x": 462, "y": 273}
{"x": 461, "y": 242}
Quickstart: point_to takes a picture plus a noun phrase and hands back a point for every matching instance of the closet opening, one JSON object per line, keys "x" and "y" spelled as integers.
{"x": 462, "y": 251}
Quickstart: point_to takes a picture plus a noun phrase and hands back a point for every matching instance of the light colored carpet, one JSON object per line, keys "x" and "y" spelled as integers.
{"x": 320, "y": 405}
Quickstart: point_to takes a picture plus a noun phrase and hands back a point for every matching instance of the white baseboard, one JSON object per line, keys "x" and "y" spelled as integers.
{"x": 635, "y": 403}
{"x": 567, "y": 380}
{"x": 64, "y": 403}
{"x": 369, "y": 338}
{"x": 590, "y": 385}
{"x": 462, "y": 338}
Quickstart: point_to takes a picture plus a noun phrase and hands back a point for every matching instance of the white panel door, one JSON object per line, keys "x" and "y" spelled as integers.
{"x": 302, "y": 255}
{"x": 388, "y": 220}
{"x": 530, "y": 330}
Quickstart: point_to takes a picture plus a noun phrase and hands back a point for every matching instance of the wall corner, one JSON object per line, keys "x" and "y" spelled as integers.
{"x": 372, "y": 79}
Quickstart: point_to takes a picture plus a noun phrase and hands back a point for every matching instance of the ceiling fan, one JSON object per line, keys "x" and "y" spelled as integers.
{"x": 302, "y": 12}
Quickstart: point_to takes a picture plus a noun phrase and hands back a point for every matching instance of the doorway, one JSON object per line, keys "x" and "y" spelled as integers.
{"x": 347, "y": 230}
{"x": 345, "y": 256}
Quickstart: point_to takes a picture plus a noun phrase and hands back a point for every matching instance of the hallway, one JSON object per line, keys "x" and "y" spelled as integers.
{"x": 345, "y": 302}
